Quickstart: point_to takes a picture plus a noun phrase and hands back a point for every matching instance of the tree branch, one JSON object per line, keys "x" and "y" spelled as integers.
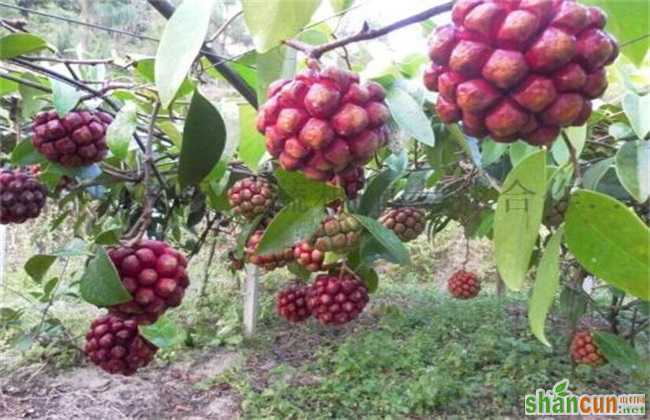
{"x": 366, "y": 33}
{"x": 167, "y": 9}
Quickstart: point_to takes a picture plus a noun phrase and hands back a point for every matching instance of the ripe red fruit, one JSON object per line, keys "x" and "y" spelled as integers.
{"x": 324, "y": 122}
{"x": 519, "y": 69}
{"x": 337, "y": 233}
{"x": 585, "y": 350}
{"x": 351, "y": 180}
{"x": 308, "y": 257}
{"x": 267, "y": 262}
{"x": 291, "y": 303}
{"x": 114, "y": 344}
{"x": 407, "y": 222}
{"x": 252, "y": 196}
{"x": 337, "y": 298}
{"x": 22, "y": 197}
{"x": 463, "y": 285}
{"x": 78, "y": 139}
{"x": 155, "y": 275}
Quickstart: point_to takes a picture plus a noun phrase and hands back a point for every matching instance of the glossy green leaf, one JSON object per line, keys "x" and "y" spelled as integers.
{"x": 273, "y": 21}
{"x": 204, "y": 139}
{"x": 520, "y": 150}
{"x": 492, "y": 151}
{"x": 293, "y": 223}
{"x": 369, "y": 277}
{"x": 617, "y": 351}
{"x": 409, "y": 116}
{"x": 278, "y": 63}
{"x": 179, "y": 46}
{"x": 251, "y": 143}
{"x": 64, "y": 96}
{"x": 120, "y": 131}
{"x": 610, "y": 241}
{"x": 100, "y": 283}
{"x": 637, "y": 109}
{"x": 595, "y": 173}
{"x": 372, "y": 199}
{"x": 7, "y": 87}
{"x": 303, "y": 189}
{"x": 386, "y": 238}
{"x": 546, "y": 284}
{"x": 633, "y": 169}
{"x": 163, "y": 333}
{"x": 577, "y": 137}
{"x": 38, "y": 265}
{"x": 340, "y": 5}
{"x": 33, "y": 100}
{"x": 25, "y": 154}
{"x": 16, "y": 44}
{"x": 518, "y": 217}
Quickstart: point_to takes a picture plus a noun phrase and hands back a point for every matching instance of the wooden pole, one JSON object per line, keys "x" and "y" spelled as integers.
{"x": 251, "y": 300}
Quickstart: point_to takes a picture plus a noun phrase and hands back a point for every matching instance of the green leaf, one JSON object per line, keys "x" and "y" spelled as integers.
{"x": 633, "y": 169}
{"x": 120, "y": 132}
{"x": 491, "y": 151}
{"x": 577, "y": 137}
{"x": 273, "y": 21}
{"x": 299, "y": 271}
{"x": 561, "y": 388}
{"x": 7, "y": 87}
{"x": 38, "y": 265}
{"x": 278, "y": 63}
{"x": 305, "y": 190}
{"x": 24, "y": 154}
{"x": 16, "y": 44}
{"x": 108, "y": 237}
{"x": 179, "y": 46}
{"x": 637, "y": 109}
{"x": 520, "y": 150}
{"x": 546, "y": 284}
{"x": 386, "y": 238}
{"x": 293, "y": 223}
{"x": 628, "y": 22}
{"x": 596, "y": 172}
{"x": 372, "y": 199}
{"x": 100, "y": 283}
{"x": 32, "y": 98}
{"x": 409, "y": 116}
{"x": 573, "y": 304}
{"x": 64, "y": 96}
{"x": 164, "y": 333}
{"x": 616, "y": 350}
{"x": 49, "y": 288}
{"x": 340, "y": 5}
{"x": 610, "y": 241}
{"x": 518, "y": 217}
{"x": 75, "y": 248}
{"x": 369, "y": 277}
{"x": 204, "y": 138}
{"x": 251, "y": 143}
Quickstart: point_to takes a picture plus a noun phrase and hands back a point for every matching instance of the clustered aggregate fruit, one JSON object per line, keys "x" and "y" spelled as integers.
{"x": 351, "y": 180}
{"x": 155, "y": 275}
{"x": 407, "y": 222}
{"x": 516, "y": 69}
{"x": 22, "y": 196}
{"x": 77, "y": 139}
{"x": 267, "y": 262}
{"x": 555, "y": 212}
{"x": 291, "y": 303}
{"x": 252, "y": 196}
{"x": 337, "y": 298}
{"x": 324, "y": 122}
{"x": 463, "y": 285}
{"x": 115, "y": 344}
{"x": 308, "y": 256}
{"x": 584, "y": 349}
{"x": 337, "y": 233}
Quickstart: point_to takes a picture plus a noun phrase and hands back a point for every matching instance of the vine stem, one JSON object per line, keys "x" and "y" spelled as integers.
{"x": 366, "y": 33}
{"x": 574, "y": 158}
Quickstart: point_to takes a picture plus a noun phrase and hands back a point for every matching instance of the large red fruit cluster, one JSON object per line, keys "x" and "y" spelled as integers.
{"x": 78, "y": 139}
{"x": 324, "y": 122}
{"x": 155, "y": 275}
{"x": 463, "y": 285}
{"x": 337, "y": 298}
{"x": 292, "y": 304}
{"x": 252, "y": 196}
{"x": 114, "y": 344}
{"x": 22, "y": 197}
{"x": 584, "y": 349}
{"x": 516, "y": 69}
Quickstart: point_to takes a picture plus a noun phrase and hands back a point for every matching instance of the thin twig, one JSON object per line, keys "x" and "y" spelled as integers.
{"x": 223, "y": 27}
{"x": 574, "y": 158}
{"x": 95, "y": 62}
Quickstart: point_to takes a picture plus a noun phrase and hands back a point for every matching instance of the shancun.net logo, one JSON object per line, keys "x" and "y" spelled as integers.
{"x": 561, "y": 401}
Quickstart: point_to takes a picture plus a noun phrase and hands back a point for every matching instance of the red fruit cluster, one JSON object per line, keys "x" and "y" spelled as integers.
{"x": 114, "y": 344}
{"x": 324, "y": 122}
{"x": 308, "y": 256}
{"x": 407, "y": 222}
{"x": 584, "y": 349}
{"x": 155, "y": 275}
{"x": 337, "y": 298}
{"x": 519, "y": 68}
{"x": 351, "y": 180}
{"x": 338, "y": 233}
{"x": 22, "y": 197}
{"x": 78, "y": 139}
{"x": 251, "y": 197}
{"x": 268, "y": 262}
{"x": 463, "y": 285}
{"x": 292, "y": 304}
